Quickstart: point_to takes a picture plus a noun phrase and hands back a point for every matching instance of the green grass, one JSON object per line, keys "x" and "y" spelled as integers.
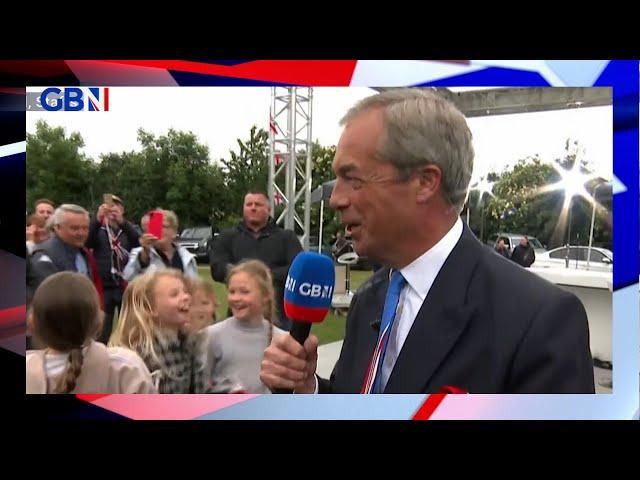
{"x": 331, "y": 330}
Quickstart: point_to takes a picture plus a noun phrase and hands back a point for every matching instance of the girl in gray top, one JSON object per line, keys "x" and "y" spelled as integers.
{"x": 236, "y": 345}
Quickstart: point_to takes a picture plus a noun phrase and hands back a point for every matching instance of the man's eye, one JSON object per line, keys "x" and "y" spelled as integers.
{"x": 355, "y": 182}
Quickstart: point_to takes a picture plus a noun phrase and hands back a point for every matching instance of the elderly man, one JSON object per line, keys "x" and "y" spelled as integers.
{"x": 436, "y": 318}
{"x": 65, "y": 251}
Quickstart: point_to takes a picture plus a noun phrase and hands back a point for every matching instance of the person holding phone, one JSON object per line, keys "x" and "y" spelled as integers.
{"x": 111, "y": 237}
{"x": 158, "y": 248}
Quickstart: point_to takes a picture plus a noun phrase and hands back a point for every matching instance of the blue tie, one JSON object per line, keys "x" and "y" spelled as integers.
{"x": 81, "y": 265}
{"x": 396, "y": 285}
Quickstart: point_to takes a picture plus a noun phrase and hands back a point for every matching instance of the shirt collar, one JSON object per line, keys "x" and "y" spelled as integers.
{"x": 421, "y": 273}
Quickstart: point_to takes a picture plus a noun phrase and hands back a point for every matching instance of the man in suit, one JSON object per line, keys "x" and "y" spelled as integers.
{"x": 437, "y": 317}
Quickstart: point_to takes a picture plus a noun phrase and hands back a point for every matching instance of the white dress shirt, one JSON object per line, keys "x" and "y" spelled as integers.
{"x": 420, "y": 275}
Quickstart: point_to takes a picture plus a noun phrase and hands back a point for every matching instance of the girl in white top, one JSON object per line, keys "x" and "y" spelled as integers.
{"x": 66, "y": 317}
{"x": 236, "y": 345}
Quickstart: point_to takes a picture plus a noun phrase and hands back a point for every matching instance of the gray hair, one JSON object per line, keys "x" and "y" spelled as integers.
{"x": 58, "y": 215}
{"x": 171, "y": 218}
{"x": 422, "y": 128}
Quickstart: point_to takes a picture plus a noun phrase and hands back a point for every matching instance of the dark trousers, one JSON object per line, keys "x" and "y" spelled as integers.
{"x": 112, "y": 299}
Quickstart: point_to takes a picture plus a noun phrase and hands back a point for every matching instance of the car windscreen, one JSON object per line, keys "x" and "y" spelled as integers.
{"x": 197, "y": 232}
{"x": 535, "y": 243}
{"x": 202, "y": 232}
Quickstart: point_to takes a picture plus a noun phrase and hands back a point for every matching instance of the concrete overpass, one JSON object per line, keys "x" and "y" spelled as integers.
{"x": 502, "y": 101}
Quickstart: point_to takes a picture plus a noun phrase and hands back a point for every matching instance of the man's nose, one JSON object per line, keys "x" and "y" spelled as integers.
{"x": 338, "y": 199}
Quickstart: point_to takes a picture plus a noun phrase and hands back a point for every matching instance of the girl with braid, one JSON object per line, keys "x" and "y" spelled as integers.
{"x": 235, "y": 346}
{"x": 65, "y": 316}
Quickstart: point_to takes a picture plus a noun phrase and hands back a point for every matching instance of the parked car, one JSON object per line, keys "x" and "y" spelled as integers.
{"x": 511, "y": 240}
{"x": 601, "y": 259}
{"x": 198, "y": 240}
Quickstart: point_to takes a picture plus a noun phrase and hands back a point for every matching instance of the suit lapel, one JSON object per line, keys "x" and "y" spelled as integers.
{"x": 441, "y": 320}
{"x": 370, "y": 304}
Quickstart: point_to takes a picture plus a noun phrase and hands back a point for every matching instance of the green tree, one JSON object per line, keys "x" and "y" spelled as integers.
{"x": 322, "y": 172}
{"x": 520, "y": 204}
{"x": 517, "y": 206}
{"x": 245, "y": 170}
{"x": 177, "y": 175}
{"x": 125, "y": 175}
{"x": 172, "y": 171}
{"x": 56, "y": 168}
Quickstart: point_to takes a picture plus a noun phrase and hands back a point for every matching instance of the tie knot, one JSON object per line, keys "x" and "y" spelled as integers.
{"x": 397, "y": 282}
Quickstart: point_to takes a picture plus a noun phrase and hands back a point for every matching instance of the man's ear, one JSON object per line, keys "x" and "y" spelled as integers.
{"x": 429, "y": 181}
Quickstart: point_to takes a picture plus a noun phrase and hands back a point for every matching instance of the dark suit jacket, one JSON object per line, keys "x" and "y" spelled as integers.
{"x": 487, "y": 325}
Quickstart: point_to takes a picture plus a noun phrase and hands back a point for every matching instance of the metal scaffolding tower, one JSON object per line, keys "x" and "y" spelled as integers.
{"x": 290, "y": 158}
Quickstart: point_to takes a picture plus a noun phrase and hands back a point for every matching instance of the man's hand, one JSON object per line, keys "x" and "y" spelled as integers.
{"x": 289, "y": 365}
{"x": 104, "y": 210}
{"x": 31, "y": 233}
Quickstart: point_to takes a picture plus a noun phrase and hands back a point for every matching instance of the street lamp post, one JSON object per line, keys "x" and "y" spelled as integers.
{"x": 482, "y": 186}
{"x": 566, "y": 256}
{"x": 482, "y": 222}
{"x": 572, "y": 182}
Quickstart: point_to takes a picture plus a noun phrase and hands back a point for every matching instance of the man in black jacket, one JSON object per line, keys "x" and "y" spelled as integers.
{"x": 111, "y": 237}
{"x": 524, "y": 254}
{"x": 257, "y": 237}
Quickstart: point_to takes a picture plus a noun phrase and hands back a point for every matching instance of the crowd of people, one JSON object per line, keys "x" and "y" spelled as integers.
{"x": 523, "y": 254}
{"x": 403, "y": 166}
{"x": 86, "y": 274}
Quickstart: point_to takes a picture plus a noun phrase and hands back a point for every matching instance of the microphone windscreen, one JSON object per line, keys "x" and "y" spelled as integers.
{"x": 309, "y": 287}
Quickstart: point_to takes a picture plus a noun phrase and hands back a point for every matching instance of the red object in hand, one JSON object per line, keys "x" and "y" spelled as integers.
{"x": 156, "y": 220}
{"x": 449, "y": 389}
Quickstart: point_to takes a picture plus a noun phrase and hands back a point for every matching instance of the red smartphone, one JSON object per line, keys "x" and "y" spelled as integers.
{"x": 156, "y": 220}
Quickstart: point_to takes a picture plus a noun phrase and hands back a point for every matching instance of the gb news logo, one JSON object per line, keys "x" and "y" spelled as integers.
{"x": 68, "y": 99}
{"x": 307, "y": 289}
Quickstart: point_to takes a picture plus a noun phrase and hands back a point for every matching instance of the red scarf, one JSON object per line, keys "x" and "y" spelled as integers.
{"x": 95, "y": 276}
